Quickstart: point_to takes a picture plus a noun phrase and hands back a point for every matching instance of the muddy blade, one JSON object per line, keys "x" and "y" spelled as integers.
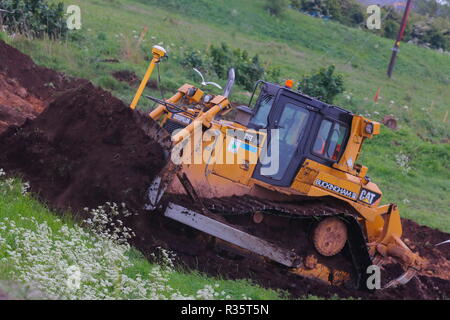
{"x": 161, "y": 182}
{"x": 155, "y": 193}
{"x": 231, "y": 235}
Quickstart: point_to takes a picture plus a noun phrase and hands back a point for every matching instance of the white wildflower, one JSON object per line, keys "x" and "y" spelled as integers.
{"x": 403, "y": 161}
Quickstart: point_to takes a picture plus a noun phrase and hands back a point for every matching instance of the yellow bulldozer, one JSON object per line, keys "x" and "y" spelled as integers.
{"x": 281, "y": 181}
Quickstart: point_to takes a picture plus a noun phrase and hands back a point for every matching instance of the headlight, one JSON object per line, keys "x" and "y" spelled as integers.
{"x": 191, "y": 92}
{"x": 369, "y": 128}
{"x": 207, "y": 98}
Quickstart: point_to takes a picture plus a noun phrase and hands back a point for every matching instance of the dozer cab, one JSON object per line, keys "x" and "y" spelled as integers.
{"x": 281, "y": 181}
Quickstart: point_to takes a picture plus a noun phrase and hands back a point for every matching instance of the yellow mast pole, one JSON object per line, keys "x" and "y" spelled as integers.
{"x": 158, "y": 53}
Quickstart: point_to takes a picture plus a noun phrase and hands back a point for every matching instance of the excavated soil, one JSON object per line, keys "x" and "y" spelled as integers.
{"x": 133, "y": 80}
{"x": 25, "y": 88}
{"x": 86, "y": 148}
{"x": 126, "y": 76}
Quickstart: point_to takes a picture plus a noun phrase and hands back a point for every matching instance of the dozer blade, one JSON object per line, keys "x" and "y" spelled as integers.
{"x": 155, "y": 193}
{"x": 232, "y": 235}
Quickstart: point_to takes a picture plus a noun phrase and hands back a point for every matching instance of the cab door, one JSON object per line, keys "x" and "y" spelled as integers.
{"x": 288, "y": 124}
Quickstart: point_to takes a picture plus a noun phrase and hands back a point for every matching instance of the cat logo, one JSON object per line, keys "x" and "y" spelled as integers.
{"x": 368, "y": 197}
{"x": 248, "y": 137}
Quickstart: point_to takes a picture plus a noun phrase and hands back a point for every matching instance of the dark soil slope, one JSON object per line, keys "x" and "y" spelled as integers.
{"x": 85, "y": 149}
{"x": 25, "y": 88}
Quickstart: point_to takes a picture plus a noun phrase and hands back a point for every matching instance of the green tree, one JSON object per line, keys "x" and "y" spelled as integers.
{"x": 34, "y": 18}
{"x": 316, "y": 6}
{"x": 348, "y": 12}
{"x": 334, "y": 9}
{"x": 222, "y": 58}
{"x": 432, "y": 32}
{"x": 352, "y": 12}
{"x": 296, "y": 4}
{"x": 427, "y": 7}
{"x": 325, "y": 85}
{"x": 276, "y": 7}
{"x": 248, "y": 69}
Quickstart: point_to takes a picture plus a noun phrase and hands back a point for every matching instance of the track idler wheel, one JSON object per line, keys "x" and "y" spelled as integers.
{"x": 330, "y": 236}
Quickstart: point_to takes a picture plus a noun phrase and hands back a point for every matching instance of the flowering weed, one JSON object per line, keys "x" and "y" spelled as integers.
{"x": 63, "y": 260}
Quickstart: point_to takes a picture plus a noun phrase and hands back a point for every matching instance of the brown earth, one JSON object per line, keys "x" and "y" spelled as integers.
{"x": 126, "y": 76}
{"x": 25, "y": 88}
{"x": 87, "y": 148}
{"x": 16, "y": 104}
{"x": 133, "y": 80}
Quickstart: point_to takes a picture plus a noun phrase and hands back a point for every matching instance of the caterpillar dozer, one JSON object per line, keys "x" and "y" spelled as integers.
{"x": 280, "y": 182}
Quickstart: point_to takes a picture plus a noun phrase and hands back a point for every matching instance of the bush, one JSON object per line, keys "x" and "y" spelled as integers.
{"x": 34, "y": 18}
{"x": 323, "y": 85}
{"x": 273, "y": 74}
{"x": 348, "y": 12}
{"x": 248, "y": 70}
{"x": 222, "y": 59}
{"x": 316, "y": 7}
{"x": 219, "y": 60}
{"x": 391, "y": 23}
{"x": 433, "y": 33}
{"x": 276, "y": 7}
{"x": 352, "y": 13}
{"x": 193, "y": 59}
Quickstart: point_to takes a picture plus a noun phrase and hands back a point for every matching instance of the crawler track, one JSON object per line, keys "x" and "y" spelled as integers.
{"x": 289, "y": 225}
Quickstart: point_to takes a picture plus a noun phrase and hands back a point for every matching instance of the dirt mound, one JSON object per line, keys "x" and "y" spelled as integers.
{"x": 16, "y": 104}
{"x": 424, "y": 240}
{"x": 41, "y": 82}
{"x": 126, "y": 76}
{"x": 133, "y": 80}
{"x": 25, "y": 88}
{"x": 85, "y": 149}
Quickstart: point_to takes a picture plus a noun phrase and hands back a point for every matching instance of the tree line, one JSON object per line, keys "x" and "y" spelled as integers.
{"x": 429, "y": 23}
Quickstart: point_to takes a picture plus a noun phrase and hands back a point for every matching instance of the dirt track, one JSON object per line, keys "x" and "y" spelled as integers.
{"x": 87, "y": 148}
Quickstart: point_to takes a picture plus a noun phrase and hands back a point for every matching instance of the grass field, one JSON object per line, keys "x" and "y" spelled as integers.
{"x": 37, "y": 247}
{"x": 410, "y": 165}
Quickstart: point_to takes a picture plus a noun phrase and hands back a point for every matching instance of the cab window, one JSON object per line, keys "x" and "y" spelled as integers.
{"x": 292, "y": 125}
{"x": 265, "y": 105}
{"x": 330, "y": 139}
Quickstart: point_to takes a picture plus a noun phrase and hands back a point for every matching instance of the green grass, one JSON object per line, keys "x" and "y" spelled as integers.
{"x": 14, "y": 207}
